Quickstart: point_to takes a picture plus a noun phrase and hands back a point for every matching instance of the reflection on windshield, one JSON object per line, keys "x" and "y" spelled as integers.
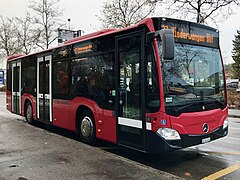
{"x": 194, "y": 80}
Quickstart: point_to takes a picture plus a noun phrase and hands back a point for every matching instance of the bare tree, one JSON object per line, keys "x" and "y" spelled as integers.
{"x": 202, "y": 10}
{"x": 26, "y": 33}
{"x": 9, "y": 41}
{"x": 122, "y": 13}
{"x": 48, "y": 20}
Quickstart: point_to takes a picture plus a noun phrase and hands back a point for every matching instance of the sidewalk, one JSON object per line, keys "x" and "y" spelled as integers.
{"x": 234, "y": 113}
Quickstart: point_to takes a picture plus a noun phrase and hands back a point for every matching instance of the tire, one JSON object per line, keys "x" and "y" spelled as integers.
{"x": 87, "y": 128}
{"x": 29, "y": 113}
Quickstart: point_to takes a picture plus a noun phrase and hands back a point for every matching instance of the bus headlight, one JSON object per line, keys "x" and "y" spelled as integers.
{"x": 225, "y": 123}
{"x": 168, "y": 134}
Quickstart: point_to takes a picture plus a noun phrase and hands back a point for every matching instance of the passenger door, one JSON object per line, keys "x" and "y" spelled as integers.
{"x": 44, "y": 88}
{"x": 130, "y": 111}
{"x": 16, "y": 88}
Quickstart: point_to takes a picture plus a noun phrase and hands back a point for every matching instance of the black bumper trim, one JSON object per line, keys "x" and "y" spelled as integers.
{"x": 156, "y": 144}
{"x": 191, "y": 140}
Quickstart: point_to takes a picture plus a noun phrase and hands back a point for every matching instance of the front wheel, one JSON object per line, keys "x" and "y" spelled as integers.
{"x": 29, "y": 113}
{"x": 87, "y": 128}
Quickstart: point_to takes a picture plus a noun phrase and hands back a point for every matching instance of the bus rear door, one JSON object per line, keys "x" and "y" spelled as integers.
{"x": 131, "y": 129}
{"x": 16, "y": 87}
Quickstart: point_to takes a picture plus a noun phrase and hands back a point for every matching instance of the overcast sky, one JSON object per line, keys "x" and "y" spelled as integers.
{"x": 83, "y": 15}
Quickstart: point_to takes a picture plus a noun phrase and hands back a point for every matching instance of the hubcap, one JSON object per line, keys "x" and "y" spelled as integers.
{"x": 29, "y": 113}
{"x": 86, "y": 127}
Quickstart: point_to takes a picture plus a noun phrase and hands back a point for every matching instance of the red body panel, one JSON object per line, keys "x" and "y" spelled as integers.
{"x": 61, "y": 110}
{"x": 106, "y": 126}
{"x": 156, "y": 120}
{"x": 74, "y": 104}
{"x": 192, "y": 123}
{"x": 32, "y": 99}
{"x": 9, "y": 100}
{"x": 104, "y": 121}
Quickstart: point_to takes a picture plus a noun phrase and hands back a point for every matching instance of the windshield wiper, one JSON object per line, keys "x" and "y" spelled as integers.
{"x": 177, "y": 110}
{"x": 215, "y": 100}
{"x": 199, "y": 102}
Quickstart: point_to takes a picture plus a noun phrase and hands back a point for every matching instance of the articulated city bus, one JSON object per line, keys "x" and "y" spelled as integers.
{"x": 155, "y": 86}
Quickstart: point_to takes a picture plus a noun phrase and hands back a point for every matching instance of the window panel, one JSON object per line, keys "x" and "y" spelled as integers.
{"x": 93, "y": 77}
{"x": 9, "y": 77}
{"x": 60, "y": 79}
{"x": 29, "y": 75}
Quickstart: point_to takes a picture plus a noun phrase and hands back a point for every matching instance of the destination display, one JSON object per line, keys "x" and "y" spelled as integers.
{"x": 192, "y": 33}
{"x": 83, "y": 47}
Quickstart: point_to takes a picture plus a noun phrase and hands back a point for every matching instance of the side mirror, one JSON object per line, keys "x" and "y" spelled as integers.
{"x": 167, "y": 44}
{"x": 167, "y": 37}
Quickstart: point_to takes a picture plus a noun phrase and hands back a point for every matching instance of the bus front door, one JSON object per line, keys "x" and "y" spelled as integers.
{"x": 130, "y": 112}
{"x": 44, "y": 99}
{"x": 16, "y": 87}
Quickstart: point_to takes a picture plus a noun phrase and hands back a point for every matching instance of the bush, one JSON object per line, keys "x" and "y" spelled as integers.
{"x": 233, "y": 98}
{"x": 3, "y": 89}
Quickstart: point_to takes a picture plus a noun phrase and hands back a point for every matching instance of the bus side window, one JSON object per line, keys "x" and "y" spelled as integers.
{"x": 79, "y": 80}
{"x": 93, "y": 77}
{"x": 60, "y": 79}
{"x": 28, "y": 75}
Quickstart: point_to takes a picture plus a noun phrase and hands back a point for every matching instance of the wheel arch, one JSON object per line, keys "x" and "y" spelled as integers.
{"x": 80, "y": 110}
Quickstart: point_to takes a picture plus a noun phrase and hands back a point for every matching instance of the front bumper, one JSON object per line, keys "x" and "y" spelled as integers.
{"x": 158, "y": 144}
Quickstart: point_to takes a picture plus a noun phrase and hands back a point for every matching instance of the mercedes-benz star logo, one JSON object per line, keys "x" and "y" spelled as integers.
{"x": 205, "y": 128}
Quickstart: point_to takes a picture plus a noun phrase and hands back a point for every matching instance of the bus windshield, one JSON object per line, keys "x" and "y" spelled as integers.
{"x": 194, "y": 80}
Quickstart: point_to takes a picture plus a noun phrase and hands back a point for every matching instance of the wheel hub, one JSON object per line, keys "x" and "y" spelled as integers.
{"x": 86, "y": 127}
{"x": 29, "y": 112}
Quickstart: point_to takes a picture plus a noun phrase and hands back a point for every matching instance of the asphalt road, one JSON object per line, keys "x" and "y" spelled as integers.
{"x": 42, "y": 152}
{"x": 219, "y": 159}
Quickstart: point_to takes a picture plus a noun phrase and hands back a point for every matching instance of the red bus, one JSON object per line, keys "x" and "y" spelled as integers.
{"x": 155, "y": 86}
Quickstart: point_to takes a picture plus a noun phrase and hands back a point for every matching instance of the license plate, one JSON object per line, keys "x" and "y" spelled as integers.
{"x": 206, "y": 140}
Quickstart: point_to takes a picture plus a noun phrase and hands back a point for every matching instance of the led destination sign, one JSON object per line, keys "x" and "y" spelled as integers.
{"x": 191, "y": 33}
{"x": 83, "y": 49}
{"x": 190, "y": 36}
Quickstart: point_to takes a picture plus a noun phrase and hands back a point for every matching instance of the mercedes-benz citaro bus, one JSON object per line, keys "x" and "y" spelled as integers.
{"x": 155, "y": 86}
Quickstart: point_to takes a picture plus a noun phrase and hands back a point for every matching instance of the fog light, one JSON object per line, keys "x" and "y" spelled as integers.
{"x": 169, "y": 134}
{"x": 225, "y": 123}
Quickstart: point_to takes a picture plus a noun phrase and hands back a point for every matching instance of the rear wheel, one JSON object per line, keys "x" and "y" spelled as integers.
{"x": 29, "y": 113}
{"x": 87, "y": 128}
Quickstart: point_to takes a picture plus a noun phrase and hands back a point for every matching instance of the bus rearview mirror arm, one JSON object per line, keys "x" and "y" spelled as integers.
{"x": 167, "y": 37}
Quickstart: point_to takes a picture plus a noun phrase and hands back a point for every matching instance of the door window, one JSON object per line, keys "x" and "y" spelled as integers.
{"x": 129, "y": 82}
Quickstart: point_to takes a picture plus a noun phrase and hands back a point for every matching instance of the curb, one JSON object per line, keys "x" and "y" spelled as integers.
{"x": 234, "y": 116}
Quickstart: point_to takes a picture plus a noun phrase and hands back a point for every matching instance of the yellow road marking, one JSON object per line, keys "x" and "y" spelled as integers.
{"x": 227, "y": 153}
{"x": 223, "y": 172}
